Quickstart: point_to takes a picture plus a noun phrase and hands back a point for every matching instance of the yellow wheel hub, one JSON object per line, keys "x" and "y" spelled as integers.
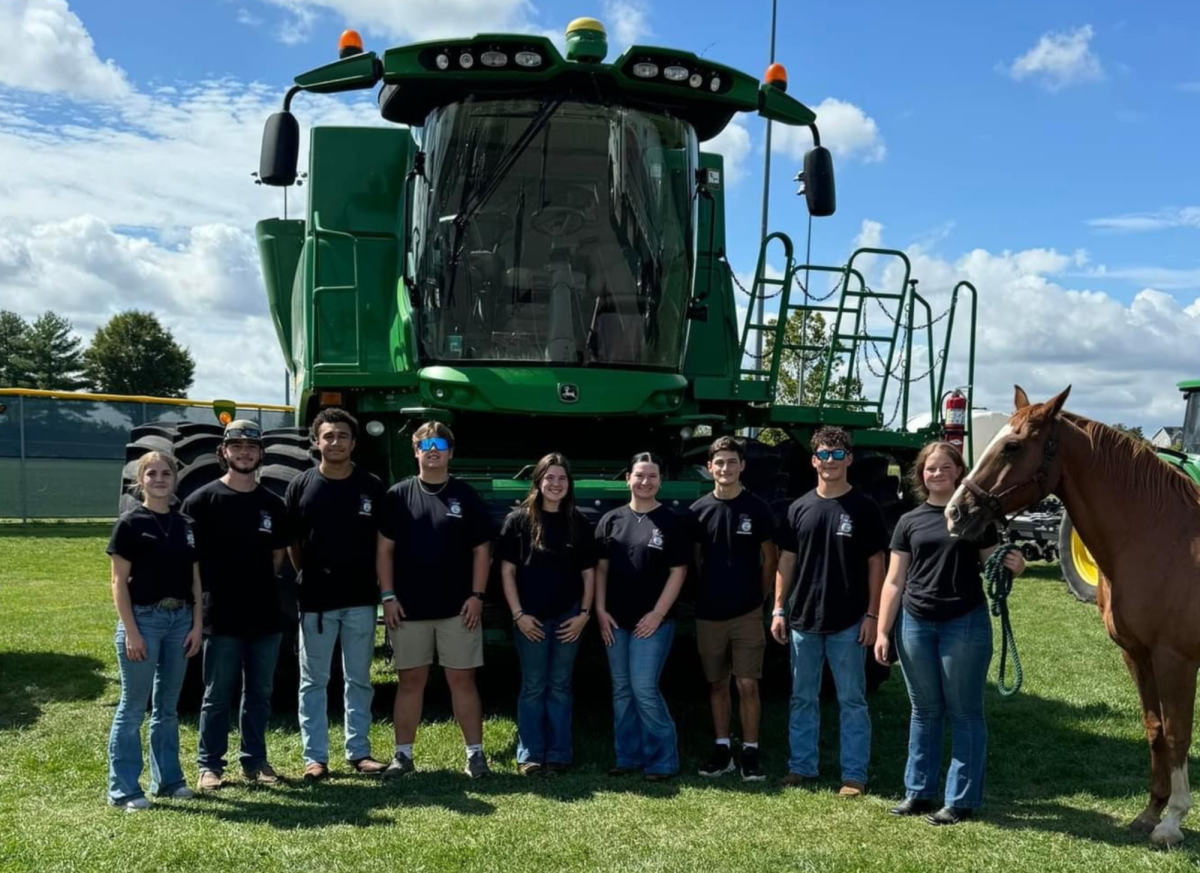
{"x": 1085, "y": 564}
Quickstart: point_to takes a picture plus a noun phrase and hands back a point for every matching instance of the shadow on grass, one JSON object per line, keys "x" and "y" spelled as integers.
{"x": 29, "y": 680}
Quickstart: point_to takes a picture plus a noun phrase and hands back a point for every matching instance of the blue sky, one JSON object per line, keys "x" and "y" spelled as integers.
{"x": 1048, "y": 153}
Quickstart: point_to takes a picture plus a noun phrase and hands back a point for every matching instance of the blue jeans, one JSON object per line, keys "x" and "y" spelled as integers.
{"x": 356, "y": 627}
{"x": 945, "y": 666}
{"x": 227, "y": 658}
{"x": 644, "y": 734}
{"x": 545, "y": 703}
{"x": 157, "y": 679}
{"x": 847, "y": 662}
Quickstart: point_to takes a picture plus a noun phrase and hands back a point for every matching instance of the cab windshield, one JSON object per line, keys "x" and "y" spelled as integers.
{"x": 557, "y": 232}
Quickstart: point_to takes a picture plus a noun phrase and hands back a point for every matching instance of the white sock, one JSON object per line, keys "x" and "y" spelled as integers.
{"x": 723, "y": 741}
{"x": 749, "y": 745}
{"x": 404, "y": 749}
{"x": 472, "y": 748}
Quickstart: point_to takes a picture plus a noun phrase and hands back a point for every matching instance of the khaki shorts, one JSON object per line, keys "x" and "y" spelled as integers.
{"x": 415, "y": 642}
{"x": 736, "y": 643}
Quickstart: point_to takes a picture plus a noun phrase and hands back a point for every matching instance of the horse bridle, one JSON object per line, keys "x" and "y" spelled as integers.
{"x": 991, "y": 502}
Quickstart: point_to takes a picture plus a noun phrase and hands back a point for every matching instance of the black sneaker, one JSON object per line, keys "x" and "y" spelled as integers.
{"x": 719, "y": 763}
{"x": 401, "y": 765}
{"x": 751, "y": 770}
{"x": 477, "y": 766}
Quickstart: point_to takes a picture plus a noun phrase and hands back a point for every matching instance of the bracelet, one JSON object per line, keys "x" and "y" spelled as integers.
{"x": 517, "y": 615}
{"x": 661, "y": 617}
{"x": 387, "y": 596}
{"x": 872, "y": 616}
{"x": 778, "y": 613}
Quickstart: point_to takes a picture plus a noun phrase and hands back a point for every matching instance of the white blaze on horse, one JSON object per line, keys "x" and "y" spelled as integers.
{"x": 1140, "y": 519}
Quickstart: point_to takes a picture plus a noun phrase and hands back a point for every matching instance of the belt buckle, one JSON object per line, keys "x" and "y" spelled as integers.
{"x": 171, "y": 603}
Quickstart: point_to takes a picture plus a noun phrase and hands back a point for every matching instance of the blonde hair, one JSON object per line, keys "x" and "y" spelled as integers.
{"x": 950, "y": 451}
{"x": 149, "y": 458}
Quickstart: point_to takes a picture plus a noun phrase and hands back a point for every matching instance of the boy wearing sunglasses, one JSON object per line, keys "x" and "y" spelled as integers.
{"x": 831, "y": 567}
{"x": 433, "y": 557}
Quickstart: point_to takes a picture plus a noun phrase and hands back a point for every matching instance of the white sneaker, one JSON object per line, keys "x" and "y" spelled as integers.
{"x": 137, "y": 804}
{"x": 180, "y": 793}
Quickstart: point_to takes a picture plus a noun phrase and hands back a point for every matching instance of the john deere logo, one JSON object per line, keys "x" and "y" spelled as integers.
{"x": 568, "y": 393}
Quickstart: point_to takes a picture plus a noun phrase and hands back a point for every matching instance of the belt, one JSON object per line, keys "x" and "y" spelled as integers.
{"x": 170, "y": 603}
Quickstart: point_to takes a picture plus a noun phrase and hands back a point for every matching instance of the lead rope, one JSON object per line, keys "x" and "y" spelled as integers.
{"x": 999, "y": 585}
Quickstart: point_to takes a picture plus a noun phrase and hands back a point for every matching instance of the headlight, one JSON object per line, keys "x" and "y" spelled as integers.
{"x": 696, "y": 81}
{"x": 715, "y": 84}
{"x": 466, "y": 61}
{"x": 494, "y": 59}
{"x": 645, "y": 70}
{"x": 675, "y": 74}
{"x": 529, "y": 59}
{"x": 443, "y": 61}
{"x": 375, "y": 428}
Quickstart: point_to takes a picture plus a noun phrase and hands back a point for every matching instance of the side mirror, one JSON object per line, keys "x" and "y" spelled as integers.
{"x": 817, "y": 176}
{"x": 280, "y": 150}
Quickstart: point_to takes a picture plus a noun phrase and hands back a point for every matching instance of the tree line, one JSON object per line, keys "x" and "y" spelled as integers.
{"x": 132, "y": 353}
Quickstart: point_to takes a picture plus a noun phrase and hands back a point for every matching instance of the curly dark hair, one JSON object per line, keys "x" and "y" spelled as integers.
{"x": 333, "y": 415}
{"x": 834, "y": 437}
{"x": 727, "y": 444}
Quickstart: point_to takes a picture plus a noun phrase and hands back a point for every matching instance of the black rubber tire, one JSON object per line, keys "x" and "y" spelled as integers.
{"x": 1074, "y": 576}
{"x": 276, "y": 478}
{"x": 127, "y": 502}
{"x": 287, "y": 456}
{"x": 163, "y": 429}
{"x": 189, "y": 449}
{"x": 195, "y": 476}
{"x": 147, "y": 443}
{"x": 195, "y": 428}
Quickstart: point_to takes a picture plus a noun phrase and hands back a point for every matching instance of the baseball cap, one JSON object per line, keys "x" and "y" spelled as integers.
{"x": 242, "y": 429}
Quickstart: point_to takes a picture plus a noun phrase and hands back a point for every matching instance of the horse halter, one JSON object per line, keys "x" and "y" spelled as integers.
{"x": 991, "y": 502}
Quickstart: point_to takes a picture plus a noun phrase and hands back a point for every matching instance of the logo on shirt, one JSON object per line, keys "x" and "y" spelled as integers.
{"x": 191, "y": 539}
{"x": 454, "y": 507}
{"x": 745, "y": 524}
{"x": 656, "y": 539}
{"x": 364, "y": 504}
{"x": 845, "y": 526}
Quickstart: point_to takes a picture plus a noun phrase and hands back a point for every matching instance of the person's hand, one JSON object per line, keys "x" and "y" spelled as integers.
{"x": 650, "y": 623}
{"x": 867, "y": 631}
{"x": 569, "y": 630}
{"x": 135, "y": 646}
{"x": 607, "y": 625}
{"x": 531, "y": 627}
{"x": 393, "y": 614}
{"x": 883, "y": 647}
{"x": 191, "y": 643}
{"x": 779, "y": 629}
{"x": 471, "y": 610}
{"x": 1015, "y": 562}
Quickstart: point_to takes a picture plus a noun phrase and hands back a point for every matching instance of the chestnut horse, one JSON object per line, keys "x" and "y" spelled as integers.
{"x": 1140, "y": 518}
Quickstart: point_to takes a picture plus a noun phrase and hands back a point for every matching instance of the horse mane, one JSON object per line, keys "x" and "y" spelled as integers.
{"x": 1118, "y": 456}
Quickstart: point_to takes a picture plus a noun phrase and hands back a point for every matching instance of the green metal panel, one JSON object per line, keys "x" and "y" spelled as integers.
{"x": 280, "y": 243}
{"x": 712, "y": 349}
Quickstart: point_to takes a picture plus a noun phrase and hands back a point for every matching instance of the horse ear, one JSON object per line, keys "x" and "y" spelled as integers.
{"x": 1055, "y": 404}
{"x": 1020, "y": 398}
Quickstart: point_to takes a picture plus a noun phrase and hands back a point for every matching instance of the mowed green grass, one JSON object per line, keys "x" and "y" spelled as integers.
{"x": 1067, "y": 768}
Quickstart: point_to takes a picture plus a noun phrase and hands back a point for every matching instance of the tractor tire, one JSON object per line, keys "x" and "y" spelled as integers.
{"x": 192, "y": 448}
{"x": 277, "y": 477}
{"x": 1078, "y": 566}
{"x": 195, "y": 476}
{"x": 195, "y": 428}
{"x": 287, "y": 456}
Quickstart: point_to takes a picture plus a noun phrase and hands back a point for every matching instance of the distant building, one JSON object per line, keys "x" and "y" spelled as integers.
{"x": 1166, "y": 437}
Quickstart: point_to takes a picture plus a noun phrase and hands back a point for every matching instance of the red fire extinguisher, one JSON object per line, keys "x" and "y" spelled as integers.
{"x": 954, "y": 419}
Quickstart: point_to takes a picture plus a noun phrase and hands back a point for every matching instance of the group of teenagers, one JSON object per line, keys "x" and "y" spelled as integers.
{"x": 205, "y": 577}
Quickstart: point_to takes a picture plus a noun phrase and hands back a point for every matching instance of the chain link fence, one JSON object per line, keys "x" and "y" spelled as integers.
{"x": 61, "y": 455}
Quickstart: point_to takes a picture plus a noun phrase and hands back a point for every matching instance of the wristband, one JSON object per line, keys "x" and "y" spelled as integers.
{"x": 872, "y": 616}
{"x": 517, "y": 615}
{"x": 585, "y": 611}
{"x": 387, "y": 596}
{"x": 778, "y": 613}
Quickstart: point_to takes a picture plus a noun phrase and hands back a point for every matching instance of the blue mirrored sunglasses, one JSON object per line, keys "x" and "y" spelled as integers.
{"x": 439, "y": 443}
{"x": 826, "y": 454}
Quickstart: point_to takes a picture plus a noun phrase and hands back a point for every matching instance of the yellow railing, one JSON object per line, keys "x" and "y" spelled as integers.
{"x": 130, "y": 398}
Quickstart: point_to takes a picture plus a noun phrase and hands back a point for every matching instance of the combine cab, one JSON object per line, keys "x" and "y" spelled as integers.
{"x": 535, "y": 254}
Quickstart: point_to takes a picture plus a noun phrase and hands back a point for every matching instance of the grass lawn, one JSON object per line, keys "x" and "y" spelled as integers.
{"x": 1068, "y": 766}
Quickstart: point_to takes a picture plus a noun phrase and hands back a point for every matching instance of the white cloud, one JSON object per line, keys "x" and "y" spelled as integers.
{"x": 626, "y": 22}
{"x": 734, "y": 143}
{"x": 1187, "y": 216}
{"x": 846, "y": 130}
{"x": 411, "y": 19}
{"x": 248, "y": 18}
{"x": 44, "y": 47}
{"x": 1060, "y": 60}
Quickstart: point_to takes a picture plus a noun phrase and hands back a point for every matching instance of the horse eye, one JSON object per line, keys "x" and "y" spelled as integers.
{"x": 1011, "y": 447}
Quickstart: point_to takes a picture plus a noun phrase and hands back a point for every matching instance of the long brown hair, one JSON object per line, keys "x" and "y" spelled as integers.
{"x": 532, "y": 504}
{"x": 949, "y": 450}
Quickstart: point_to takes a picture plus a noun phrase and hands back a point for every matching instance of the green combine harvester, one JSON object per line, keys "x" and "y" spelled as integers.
{"x": 535, "y": 254}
